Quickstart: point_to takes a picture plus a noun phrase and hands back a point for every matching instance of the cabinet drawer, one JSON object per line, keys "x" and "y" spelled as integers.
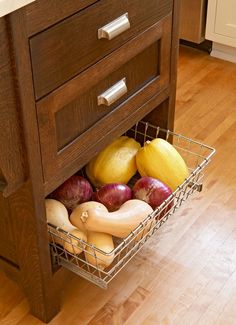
{"x": 70, "y": 119}
{"x": 196, "y": 156}
{"x": 64, "y": 50}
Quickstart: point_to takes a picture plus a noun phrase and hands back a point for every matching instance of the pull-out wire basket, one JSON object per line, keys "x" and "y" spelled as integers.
{"x": 196, "y": 155}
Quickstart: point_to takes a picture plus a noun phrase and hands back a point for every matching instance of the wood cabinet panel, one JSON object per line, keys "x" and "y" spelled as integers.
{"x": 77, "y": 117}
{"x": 68, "y": 48}
{"x": 8, "y": 238}
{"x": 12, "y": 171}
{"x": 72, "y": 126}
{"x": 193, "y": 20}
{"x": 42, "y": 14}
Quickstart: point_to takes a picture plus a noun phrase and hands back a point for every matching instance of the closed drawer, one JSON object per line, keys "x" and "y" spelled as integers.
{"x": 71, "y": 121}
{"x": 64, "y": 50}
{"x": 36, "y": 19}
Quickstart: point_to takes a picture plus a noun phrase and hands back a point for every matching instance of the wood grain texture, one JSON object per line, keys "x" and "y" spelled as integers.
{"x": 193, "y": 20}
{"x": 152, "y": 53}
{"x": 37, "y": 20}
{"x": 12, "y": 167}
{"x": 26, "y": 205}
{"x": 7, "y": 242}
{"x": 72, "y": 120}
{"x": 64, "y": 50}
{"x": 187, "y": 274}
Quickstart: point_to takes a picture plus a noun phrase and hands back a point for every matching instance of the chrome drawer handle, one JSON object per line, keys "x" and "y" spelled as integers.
{"x": 114, "y": 28}
{"x": 113, "y": 94}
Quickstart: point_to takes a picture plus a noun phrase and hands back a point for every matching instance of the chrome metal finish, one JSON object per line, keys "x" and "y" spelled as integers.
{"x": 114, "y": 28}
{"x": 196, "y": 155}
{"x": 112, "y": 94}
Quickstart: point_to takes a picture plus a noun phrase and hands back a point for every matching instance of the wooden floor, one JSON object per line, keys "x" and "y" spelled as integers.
{"x": 187, "y": 274}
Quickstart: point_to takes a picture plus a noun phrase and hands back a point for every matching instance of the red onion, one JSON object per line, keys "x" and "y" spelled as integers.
{"x": 113, "y": 195}
{"x": 73, "y": 191}
{"x": 152, "y": 191}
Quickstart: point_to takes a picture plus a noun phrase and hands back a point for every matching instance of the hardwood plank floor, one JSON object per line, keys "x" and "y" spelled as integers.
{"x": 187, "y": 274}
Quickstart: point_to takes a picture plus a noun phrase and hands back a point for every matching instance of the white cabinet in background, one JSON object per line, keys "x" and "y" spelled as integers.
{"x": 193, "y": 20}
{"x": 221, "y": 28}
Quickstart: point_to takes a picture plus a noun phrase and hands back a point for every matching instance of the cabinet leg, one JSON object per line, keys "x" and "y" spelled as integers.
{"x": 36, "y": 276}
{"x": 43, "y": 308}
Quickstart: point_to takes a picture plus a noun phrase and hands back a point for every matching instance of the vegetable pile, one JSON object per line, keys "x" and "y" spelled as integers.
{"x": 105, "y": 205}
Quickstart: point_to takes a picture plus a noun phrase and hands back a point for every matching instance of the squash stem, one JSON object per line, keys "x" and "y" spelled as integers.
{"x": 84, "y": 216}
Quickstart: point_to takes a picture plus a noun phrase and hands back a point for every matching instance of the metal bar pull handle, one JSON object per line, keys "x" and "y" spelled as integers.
{"x": 114, "y": 28}
{"x": 112, "y": 94}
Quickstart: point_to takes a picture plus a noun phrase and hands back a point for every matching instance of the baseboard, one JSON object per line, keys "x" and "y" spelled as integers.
{"x": 203, "y": 46}
{"x": 223, "y": 52}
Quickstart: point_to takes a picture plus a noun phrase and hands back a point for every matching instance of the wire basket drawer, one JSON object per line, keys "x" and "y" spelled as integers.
{"x": 196, "y": 155}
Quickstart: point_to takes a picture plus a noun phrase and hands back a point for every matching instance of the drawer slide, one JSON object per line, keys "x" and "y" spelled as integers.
{"x": 196, "y": 155}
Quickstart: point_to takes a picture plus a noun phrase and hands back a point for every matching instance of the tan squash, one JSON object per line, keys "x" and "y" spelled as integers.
{"x": 104, "y": 242}
{"x": 118, "y": 223}
{"x": 57, "y": 215}
{"x": 75, "y": 217}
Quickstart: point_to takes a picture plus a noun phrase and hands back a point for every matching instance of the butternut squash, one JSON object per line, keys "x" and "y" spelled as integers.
{"x": 75, "y": 217}
{"x": 159, "y": 159}
{"x": 114, "y": 164}
{"x": 104, "y": 242}
{"x": 57, "y": 215}
{"x": 118, "y": 223}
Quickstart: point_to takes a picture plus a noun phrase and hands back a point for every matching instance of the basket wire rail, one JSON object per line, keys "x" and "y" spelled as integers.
{"x": 196, "y": 155}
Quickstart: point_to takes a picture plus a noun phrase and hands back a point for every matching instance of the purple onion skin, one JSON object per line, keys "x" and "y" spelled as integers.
{"x": 113, "y": 195}
{"x": 152, "y": 191}
{"x": 73, "y": 191}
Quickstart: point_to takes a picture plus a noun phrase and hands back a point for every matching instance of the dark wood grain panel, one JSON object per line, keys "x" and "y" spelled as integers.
{"x": 80, "y": 115}
{"x": 27, "y": 204}
{"x": 151, "y": 82}
{"x": 68, "y": 48}
{"x": 12, "y": 173}
{"x": 8, "y": 241}
{"x": 42, "y": 14}
{"x": 170, "y": 117}
{"x": 87, "y": 79}
{"x": 12, "y": 270}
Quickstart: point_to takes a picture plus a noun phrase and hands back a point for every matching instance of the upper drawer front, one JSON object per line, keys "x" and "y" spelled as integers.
{"x": 42, "y": 14}
{"x": 73, "y": 119}
{"x": 69, "y": 47}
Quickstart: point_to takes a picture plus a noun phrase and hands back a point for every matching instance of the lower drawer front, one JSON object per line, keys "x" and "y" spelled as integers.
{"x": 77, "y": 117}
{"x": 88, "y": 263}
{"x": 73, "y": 118}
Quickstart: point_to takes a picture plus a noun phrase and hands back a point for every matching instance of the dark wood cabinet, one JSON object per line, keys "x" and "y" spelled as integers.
{"x": 69, "y": 47}
{"x": 54, "y": 68}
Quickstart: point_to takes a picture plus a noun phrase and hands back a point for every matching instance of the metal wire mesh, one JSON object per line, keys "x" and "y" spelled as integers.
{"x": 72, "y": 253}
